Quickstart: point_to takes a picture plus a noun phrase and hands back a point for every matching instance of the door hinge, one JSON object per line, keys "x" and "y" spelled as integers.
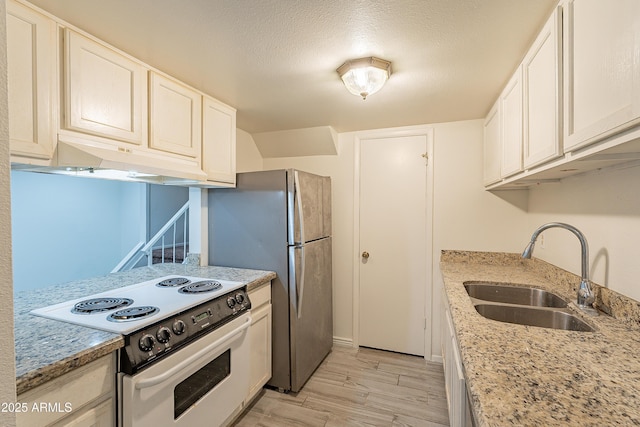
{"x": 425, "y": 323}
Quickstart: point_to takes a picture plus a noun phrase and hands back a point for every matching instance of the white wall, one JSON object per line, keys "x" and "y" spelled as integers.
{"x": 7, "y": 355}
{"x": 465, "y": 215}
{"x": 248, "y": 157}
{"x": 605, "y": 206}
{"x": 163, "y": 201}
{"x": 72, "y": 228}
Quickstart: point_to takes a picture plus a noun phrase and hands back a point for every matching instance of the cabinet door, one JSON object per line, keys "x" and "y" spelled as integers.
{"x": 542, "y": 81}
{"x": 511, "y": 125}
{"x": 31, "y": 58}
{"x": 602, "y": 69}
{"x": 455, "y": 385}
{"x": 492, "y": 146}
{"x": 105, "y": 92}
{"x": 260, "y": 341}
{"x": 101, "y": 415}
{"x": 90, "y": 387}
{"x": 175, "y": 117}
{"x": 219, "y": 141}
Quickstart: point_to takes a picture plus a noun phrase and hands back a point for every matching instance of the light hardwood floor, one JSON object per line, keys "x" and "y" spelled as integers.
{"x": 358, "y": 387}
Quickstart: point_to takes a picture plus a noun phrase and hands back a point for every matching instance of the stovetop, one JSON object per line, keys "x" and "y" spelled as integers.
{"x": 131, "y": 308}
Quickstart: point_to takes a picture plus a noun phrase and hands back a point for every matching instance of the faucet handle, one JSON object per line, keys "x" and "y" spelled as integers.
{"x": 586, "y": 298}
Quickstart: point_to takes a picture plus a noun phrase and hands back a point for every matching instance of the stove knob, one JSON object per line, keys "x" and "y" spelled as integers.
{"x": 231, "y": 302}
{"x": 146, "y": 342}
{"x": 178, "y": 327}
{"x": 239, "y": 298}
{"x": 163, "y": 334}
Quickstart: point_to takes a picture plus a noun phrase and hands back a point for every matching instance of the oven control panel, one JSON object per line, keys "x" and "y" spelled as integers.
{"x": 146, "y": 345}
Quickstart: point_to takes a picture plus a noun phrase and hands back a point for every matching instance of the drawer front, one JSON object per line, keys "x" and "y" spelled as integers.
{"x": 63, "y": 396}
{"x": 260, "y": 296}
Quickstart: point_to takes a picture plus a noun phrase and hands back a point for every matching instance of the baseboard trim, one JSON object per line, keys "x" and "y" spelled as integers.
{"x": 342, "y": 342}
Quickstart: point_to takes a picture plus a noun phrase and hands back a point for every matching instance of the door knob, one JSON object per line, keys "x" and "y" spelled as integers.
{"x": 365, "y": 254}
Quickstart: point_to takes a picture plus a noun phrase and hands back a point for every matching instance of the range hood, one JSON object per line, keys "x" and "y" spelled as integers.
{"x": 106, "y": 162}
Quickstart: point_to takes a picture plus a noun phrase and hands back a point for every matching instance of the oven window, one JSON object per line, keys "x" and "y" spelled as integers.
{"x": 197, "y": 385}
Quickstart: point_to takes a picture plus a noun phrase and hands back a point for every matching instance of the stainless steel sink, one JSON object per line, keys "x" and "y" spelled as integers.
{"x": 523, "y": 305}
{"x": 555, "y": 319}
{"x": 511, "y": 294}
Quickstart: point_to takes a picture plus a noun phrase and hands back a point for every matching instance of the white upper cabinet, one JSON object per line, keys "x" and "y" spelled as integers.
{"x": 175, "y": 117}
{"x": 542, "y": 88}
{"x": 219, "y": 141}
{"x": 492, "y": 146}
{"x": 69, "y": 89}
{"x": 105, "y": 91}
{"x": 511, "y": 125}
{"x": 602, "y": 68}
{"x": 31, "y": 51}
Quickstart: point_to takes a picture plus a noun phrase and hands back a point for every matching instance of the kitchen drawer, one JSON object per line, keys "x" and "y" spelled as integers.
{"x": 101, "y": 415}
{"x": 67, "y": 394}
{"x": 260, "y": 296}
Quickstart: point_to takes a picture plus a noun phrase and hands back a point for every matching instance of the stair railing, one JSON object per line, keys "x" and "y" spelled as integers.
{"x": 134, "y": 257}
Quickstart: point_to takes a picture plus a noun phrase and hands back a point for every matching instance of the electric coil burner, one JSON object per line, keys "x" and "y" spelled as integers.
{"x": 98, "y": 305}
{"x": 173, "y": 282}
{"x": 201, "y": 287}
{"x": 132, "y": 313}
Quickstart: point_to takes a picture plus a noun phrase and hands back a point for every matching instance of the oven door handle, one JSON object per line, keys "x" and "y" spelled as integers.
{"x": 190, "y": 360}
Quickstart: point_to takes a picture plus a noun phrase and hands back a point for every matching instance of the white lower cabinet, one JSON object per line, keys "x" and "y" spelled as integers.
{"x": 83, "y": 397}
{"x": 101, "y": 415}
{"x": 455, "y": 386}
{"x": 260, "y": 340}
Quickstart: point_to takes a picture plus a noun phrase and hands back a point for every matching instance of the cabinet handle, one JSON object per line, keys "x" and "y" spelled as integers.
{"x": 365, "y": 255}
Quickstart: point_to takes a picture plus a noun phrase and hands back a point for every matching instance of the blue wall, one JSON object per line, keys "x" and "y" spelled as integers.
{"x": 70, "y": 228}
{"x": 163, "y": 201}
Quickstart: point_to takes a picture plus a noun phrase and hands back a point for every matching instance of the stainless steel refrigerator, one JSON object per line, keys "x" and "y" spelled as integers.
{"x": 280, "y": 220}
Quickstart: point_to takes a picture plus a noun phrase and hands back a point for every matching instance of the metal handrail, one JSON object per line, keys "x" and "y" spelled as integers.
{"x": 135, "y": 256}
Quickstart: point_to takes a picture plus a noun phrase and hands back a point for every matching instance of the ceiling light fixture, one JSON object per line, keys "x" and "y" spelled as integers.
{"x": 364, "y": 76}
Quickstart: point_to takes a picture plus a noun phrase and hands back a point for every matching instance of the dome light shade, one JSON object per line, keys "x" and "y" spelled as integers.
{"x": 364, "y": 76}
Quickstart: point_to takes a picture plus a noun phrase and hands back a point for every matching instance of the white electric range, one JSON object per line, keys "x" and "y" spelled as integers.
{"x": 185, "y": 360}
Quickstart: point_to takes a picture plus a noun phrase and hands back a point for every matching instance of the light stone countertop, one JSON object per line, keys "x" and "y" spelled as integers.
{"x": 46, "y": 349}
{"x": 530, "y": 376}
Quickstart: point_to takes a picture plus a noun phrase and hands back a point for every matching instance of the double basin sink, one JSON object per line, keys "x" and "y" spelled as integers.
{"x": 524, "y": 306}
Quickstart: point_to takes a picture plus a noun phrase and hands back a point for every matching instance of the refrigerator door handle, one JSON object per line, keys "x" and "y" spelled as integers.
{"x": 296, "y": 279}
{"x": 296, "y": 181}
{"x": 300, "y": 296}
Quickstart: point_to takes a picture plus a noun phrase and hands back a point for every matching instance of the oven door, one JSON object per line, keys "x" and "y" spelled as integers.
{"x": 201, "y": 384}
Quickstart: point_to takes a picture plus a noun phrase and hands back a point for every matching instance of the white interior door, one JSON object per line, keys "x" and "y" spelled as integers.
{"x": 393, "y": 243}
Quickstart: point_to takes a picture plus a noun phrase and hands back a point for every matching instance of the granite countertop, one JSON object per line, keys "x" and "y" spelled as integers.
{"x": 46, "y": 349}
{"x": 523, "y": 375}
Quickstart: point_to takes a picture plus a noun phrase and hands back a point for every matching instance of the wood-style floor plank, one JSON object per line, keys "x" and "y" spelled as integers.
{"x": 360, "y": 388}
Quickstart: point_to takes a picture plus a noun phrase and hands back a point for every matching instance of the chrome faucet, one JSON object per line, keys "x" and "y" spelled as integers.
{"x": 585, "y": 293}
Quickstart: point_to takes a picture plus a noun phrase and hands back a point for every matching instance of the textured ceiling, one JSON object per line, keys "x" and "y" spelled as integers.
{"x": 275, "y": 60}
